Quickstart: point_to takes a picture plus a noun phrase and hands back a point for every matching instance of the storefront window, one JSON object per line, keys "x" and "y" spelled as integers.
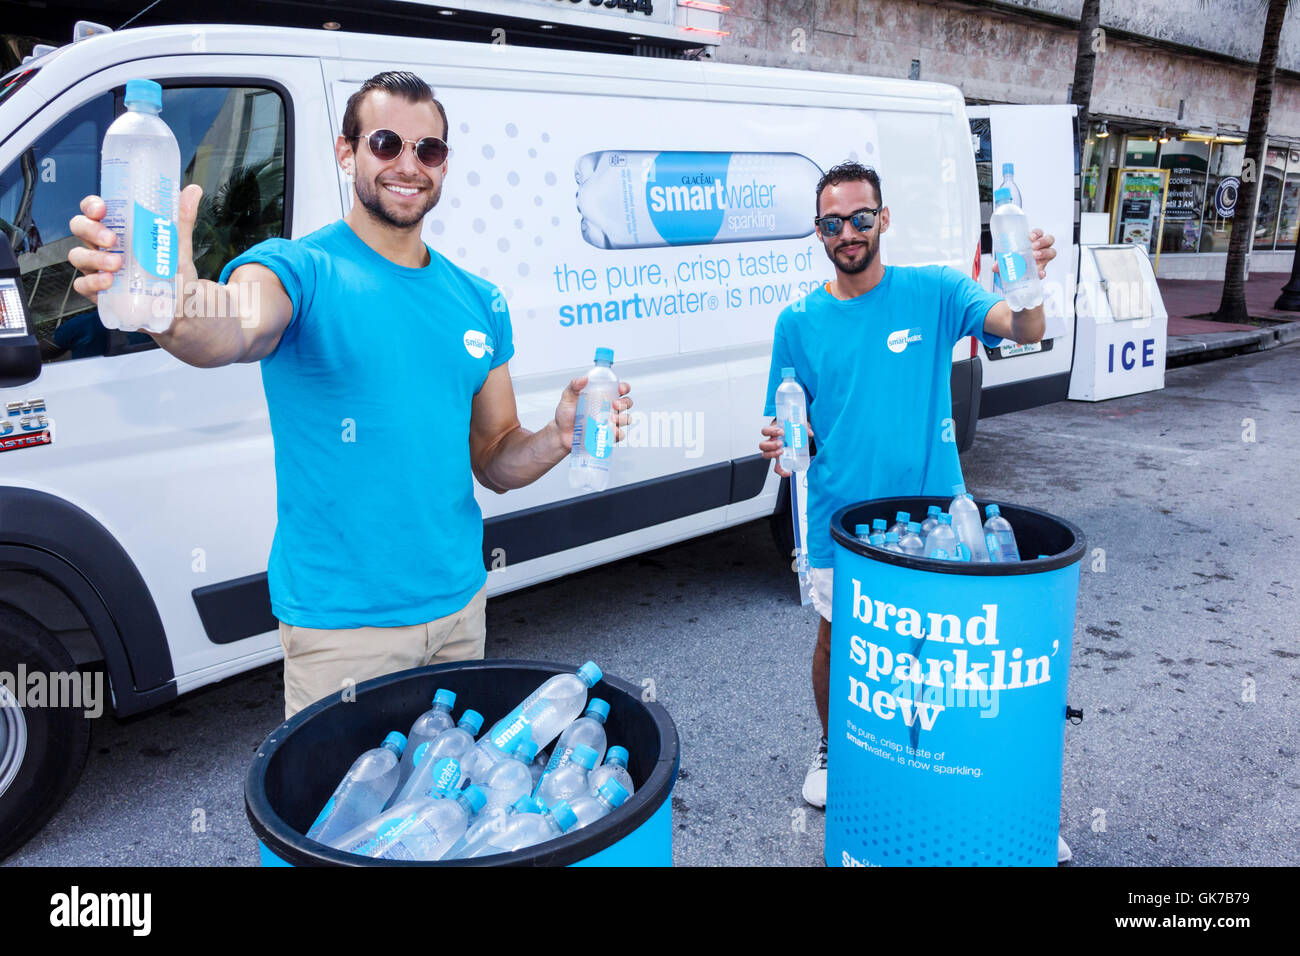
{"x": 1186, "y": 162}
{"x": 1140, "y": 152}
{"x": 1222, "y": 180}
{"x": 1270, "y": 196}
{"x": 1288, "y": 222}
{"x": 1101, "y": 157}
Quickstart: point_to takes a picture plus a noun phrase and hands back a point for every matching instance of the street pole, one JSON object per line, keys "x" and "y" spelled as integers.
{"x": 1289, "y": 300}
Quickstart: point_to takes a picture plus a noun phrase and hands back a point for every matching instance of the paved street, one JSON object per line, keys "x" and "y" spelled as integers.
{"x": 1186, "y": 659}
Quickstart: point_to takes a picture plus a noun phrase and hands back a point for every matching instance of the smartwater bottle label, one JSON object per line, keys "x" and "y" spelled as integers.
{"x": 992, "y": 540}
{"x": 153, "y": 242}
{"x": 518, "y": 721}
{"x": 596, "y": 438}
{"x": 794, "y": 435}
{"x": 1012, "y": 264}
{"x": 940, "y": 554}
{"x": 639, "y": 198}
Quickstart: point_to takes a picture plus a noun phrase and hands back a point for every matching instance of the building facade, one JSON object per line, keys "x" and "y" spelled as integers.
{"x": 1170, "y": 102}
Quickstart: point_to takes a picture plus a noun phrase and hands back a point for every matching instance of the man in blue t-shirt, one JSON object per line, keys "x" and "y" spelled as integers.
{"x": 386, "y": 381}
{"x": 873, "y": 352}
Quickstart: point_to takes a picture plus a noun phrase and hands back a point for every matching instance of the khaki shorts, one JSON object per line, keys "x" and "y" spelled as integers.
{"x": 821, "y": 588}
{"x": 319, "y": 662}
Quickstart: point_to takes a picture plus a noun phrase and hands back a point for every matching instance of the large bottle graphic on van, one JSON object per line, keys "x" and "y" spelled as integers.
{"x": 633, "y": 199}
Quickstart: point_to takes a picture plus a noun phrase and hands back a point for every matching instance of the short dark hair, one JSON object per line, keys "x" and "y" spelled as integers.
{"x": 398, "y": 82}
{"x": 850, "y": 172}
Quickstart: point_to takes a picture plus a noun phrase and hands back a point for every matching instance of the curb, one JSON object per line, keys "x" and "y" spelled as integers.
{"x": 1191, "y": 349}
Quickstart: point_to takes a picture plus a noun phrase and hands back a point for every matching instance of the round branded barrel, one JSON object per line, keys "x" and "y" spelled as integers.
{"x": 301, "y": 761}
{"x": 948, "y": 696}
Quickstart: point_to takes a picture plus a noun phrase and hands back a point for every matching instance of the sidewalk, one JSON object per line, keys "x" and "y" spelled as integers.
{"x": 1194, "y": 338}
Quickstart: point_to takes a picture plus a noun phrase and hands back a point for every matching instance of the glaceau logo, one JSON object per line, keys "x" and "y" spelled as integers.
{"x": 901, "y": 339}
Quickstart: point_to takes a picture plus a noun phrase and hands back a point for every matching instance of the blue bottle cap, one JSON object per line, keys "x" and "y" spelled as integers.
{"x": 877, "y": 539}
{"x": 1008, "y": 169}
{"x": 934, "y": 511}
{"x": 447, "y": 697}
{"x": 1001, "y": 197}
{"x": 475, "y": 797}
{"x": 959, "y": 489}
{"x": 992, "y": 510}
{"x": 471, "y": 721}
{"x": 902, "y": 517}
{"x": 584, "y": 756}
{"x": 598, "y": 709}
{"x": 527, "y": 804}
{"x": 143, "y": 91}
{"x": 861, "y": 529}
{"x": 878, "y": 524}
{"x": 564, "y": 815}
{"x": 590, "y": 674}
{"x": 913, "y": 527}
{"x": 787, "y": 372}
{"x": 605, "y": 355}
{"x": 525, "y": 749}
{"x": 891, "y": 537}
{"x": 614, "y": 792}
{"x": 616, "y": 755}
{"x": 396, "y": 741}
{"x": 945, "y": 518}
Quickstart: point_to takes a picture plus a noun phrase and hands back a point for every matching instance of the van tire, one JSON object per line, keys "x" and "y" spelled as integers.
{"x": 45, "y": 767}
{"x": 783, "y": 523}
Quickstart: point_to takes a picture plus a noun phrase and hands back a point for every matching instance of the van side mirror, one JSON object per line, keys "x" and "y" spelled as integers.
{"x": 20, "y": 355}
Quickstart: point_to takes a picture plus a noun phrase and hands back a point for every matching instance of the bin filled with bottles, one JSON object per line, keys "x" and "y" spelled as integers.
{"x": 953, "y": 535}
{"x": 574, "y": 754}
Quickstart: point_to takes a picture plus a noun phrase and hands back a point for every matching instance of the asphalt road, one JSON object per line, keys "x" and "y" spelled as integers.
{"x": 1185, "y": 656}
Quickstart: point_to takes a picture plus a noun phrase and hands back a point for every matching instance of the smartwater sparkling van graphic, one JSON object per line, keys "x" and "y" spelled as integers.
{"x": 633, "y": 199}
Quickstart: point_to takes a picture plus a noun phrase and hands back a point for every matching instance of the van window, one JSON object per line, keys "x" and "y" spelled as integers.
{"x": 231, "y": 143}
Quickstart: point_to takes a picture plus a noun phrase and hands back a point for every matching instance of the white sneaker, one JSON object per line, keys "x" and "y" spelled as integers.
{"x": 814, "y": 784}
{"x": 1063, "y": 854}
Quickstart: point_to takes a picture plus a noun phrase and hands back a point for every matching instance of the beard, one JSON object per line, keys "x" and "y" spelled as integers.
{"x": 372, "y": 196}
{"x": 849, "y": 266}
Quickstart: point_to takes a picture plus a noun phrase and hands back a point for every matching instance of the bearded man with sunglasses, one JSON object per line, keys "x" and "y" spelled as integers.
{"x": 873, "y": 352}
{"x": 386, "y": 378}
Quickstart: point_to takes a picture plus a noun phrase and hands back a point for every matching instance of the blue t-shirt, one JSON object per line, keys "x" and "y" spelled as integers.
{"x": 876, "y": 372}
{"x": 369, "y": 391}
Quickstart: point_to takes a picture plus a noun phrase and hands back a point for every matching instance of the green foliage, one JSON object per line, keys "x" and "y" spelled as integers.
{"x": 247, "y": 209}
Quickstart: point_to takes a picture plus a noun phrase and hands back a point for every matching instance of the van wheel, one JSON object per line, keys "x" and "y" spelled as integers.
{"x": 42, "y": 748}
{"x": 783, "y": 523}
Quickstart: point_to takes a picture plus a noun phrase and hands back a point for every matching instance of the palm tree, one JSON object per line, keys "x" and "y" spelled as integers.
{"x": 1085, "y": 64}
{"x": 1232, "y": 308}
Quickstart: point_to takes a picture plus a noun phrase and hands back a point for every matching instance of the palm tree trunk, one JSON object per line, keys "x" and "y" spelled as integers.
{"x": 1233, "y": 306}
{"x": 1085, "y": 64}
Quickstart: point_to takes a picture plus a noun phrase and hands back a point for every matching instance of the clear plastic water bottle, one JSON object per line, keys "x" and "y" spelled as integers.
{"x": 493, "y": 820}
{"x": 568, "y": 780}
{"x": 931, "y": 519}
{"x": 140, "y": 183}
{"x": 526, "y": 827}
{"x": 511, "y": 778}
{"x": 614, "y": 768}
{"x": 966, "y": 523}
{"x": 451, "y": 743}
{"x": 594, "y": 428}
{"x": 901, "y": 521}
{"x": 632, "y": 198}
{"x": 538, "y": 767}
{"x": 432, "y": 827}
{"x": 862, "y": 532}
{"x": 589, "y": 807}
{"x": 362, "y": 792}
{"x": 427, "y": 726}
{"x": 891, "y": 542}
{"x": 1009, "y": 183}
{"x": 912, "y": 542}
{"x": 1013, "y": 253}
{"x": 999, "y": 536}
{"x": 941, "y": 543}
{"x": 877, "y": 539}
{"x": 543, "y": 714}
{"x": 409, "y": 829}
{"x": 877, "y": 525}
{"x": 588, "y": 729}
{"x": 792, "y": 416}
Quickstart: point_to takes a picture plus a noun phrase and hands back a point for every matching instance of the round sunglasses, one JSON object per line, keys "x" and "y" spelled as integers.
{"x": 386, "y": 146}
{"x": 862, "y": 221}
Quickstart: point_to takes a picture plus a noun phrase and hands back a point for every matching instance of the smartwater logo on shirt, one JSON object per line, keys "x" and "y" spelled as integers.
{"x": 478, "y": 344}
{"x": 901, "y": 339}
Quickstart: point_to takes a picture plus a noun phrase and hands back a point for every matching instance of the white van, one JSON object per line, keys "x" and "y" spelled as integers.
{"x": 137, "y": 494}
